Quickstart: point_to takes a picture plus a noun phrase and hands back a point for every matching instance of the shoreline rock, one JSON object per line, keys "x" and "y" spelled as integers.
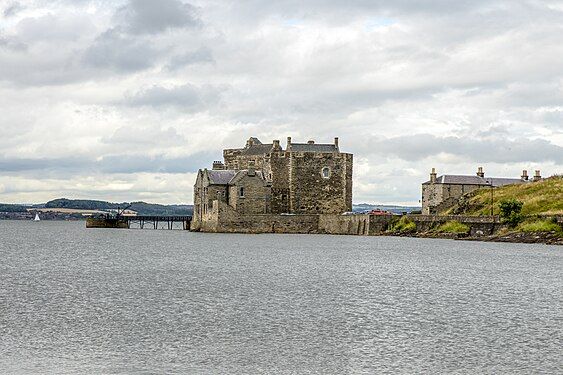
{"x": 548, "y": 238}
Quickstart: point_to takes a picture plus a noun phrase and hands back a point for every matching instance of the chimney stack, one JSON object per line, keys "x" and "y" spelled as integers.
{"x": 336, "y": 142}
{"x": 276, "y": 145}
{"x": 537, "y": 176}
{"x": 251, "y": 169}
{"x": 218, "y": 165}
{"x": 433, "y": 176}
{"x": 524, "y": 176}
{"x": 288, "y": 143}
{"x": 480, "y": 172}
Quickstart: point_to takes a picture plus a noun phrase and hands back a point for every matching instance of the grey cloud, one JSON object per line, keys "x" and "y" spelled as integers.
{"x": 149, "y": 16}
{"x": 155, "y": 164}
{"x": 188, "y": 96}
{"x": 15, "y": 164}
{"x": 144, "y": 137}
{"x": 535, "y": 94}
{"x": 201, "y": 55}
{"x": 13, "y": 9}
{"x": 112, "y": 50}
{"x": 12, "y": 44}
{"x": 117, "y": 163}
{"x": 420, "y": 146}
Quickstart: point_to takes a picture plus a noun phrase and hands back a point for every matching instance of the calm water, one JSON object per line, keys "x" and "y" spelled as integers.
{"x": 92, "y": 301}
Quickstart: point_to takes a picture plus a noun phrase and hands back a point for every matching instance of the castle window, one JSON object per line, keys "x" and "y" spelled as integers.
{"x": 241, "y": 192}
{"x": 325, "y": 172}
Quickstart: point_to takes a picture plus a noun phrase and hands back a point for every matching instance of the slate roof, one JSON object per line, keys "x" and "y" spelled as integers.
{"x": 314, "y": 147}
{"x": 501, "y": 181}
{"x": 220, "y": 177}
{"x": 240, "y": 174}
{"x": 228, "y": 176}
{"x": 475, "y": 180}
{"x": 260, "y": 149}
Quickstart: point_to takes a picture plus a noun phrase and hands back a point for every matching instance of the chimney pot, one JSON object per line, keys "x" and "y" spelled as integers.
{"x": 433, "y": 175}
{"x": 480, "y": 172}
{"x": 218, "y": 165}
{"x": 336, "y": 142}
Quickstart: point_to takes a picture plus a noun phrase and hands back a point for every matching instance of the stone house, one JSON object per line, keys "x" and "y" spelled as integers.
{"x": 246, "y": 191}
{"x": 442, "y": 192}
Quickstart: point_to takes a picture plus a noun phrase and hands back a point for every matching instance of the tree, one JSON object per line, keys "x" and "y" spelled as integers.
{"x": 510, "y": 211}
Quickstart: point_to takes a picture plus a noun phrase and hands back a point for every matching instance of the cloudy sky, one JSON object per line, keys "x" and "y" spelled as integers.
{"x": 125, "y": 100}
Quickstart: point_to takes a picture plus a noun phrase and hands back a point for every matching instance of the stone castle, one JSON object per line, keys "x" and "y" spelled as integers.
{"x": 257, "y": 185}
{"x": 443, "y": 192}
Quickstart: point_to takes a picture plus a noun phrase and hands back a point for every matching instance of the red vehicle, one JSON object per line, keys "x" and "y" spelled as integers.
{"x": 379, "y": 212}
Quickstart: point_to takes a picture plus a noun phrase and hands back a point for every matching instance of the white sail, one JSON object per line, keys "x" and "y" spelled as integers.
{"x": 36, "y": 217}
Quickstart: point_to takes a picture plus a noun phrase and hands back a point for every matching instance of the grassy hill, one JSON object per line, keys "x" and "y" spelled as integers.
{"x": 542, "y": 197}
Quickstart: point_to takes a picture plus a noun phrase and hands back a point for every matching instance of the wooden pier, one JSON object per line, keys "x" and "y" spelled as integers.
{"x": 141, "y": 222}
{"x": 158, "y": 222}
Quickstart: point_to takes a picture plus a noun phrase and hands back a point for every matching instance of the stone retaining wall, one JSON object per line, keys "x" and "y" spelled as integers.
{"x": 223, "y": 218}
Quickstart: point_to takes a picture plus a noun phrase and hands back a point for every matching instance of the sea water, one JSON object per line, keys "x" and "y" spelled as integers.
{"x": 116, "y": 301}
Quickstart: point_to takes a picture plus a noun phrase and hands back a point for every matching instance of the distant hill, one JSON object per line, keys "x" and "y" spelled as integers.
{"x": 142, "y": 208}
{"x": 395, "y": 209}
{"x": 5, "y": 207}
{"x": 542, "y": 197}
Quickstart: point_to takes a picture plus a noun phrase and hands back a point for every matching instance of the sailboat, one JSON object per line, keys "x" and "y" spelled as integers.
{"x": 36, "y": 217}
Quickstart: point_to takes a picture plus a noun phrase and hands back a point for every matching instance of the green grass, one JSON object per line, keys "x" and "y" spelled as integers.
{"x": 453, "y": 227}
{"x": 540, "y": 226}
{"x": 403, "y": 225}
{"x": 542, "y": 197}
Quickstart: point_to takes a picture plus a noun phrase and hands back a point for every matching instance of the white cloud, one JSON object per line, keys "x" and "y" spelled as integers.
{"x": 102, "y": 98}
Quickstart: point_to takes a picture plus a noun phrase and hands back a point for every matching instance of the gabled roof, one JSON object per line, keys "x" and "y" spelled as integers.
{"x": 255, "y": 141}
{"x": 260, "y": 149}
{"x": 475, "y": 180}
{"x": 228, "y": 176}
{"x": 220, "y": 177}
{"x": 240, "y": 175}
{"x": 313, "y": 147}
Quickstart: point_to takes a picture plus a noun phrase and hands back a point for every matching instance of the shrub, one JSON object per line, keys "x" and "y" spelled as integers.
{"x": 541, "y": 226}
{"x": 403, "y": 225}
{"x": 453, "y": 227}
{"x": 510, "y": 211}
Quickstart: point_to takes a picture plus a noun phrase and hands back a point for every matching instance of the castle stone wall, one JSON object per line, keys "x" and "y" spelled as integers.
{"x": 279, "y": 168}
{"x": 313, "y": 193}
{"x": 224, "y": 219}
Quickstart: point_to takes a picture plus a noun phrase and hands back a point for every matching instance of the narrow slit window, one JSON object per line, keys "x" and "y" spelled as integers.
{"x": 241, "y": 192}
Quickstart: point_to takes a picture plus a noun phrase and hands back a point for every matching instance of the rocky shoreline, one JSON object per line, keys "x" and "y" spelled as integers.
{"x": 548, "y": 238}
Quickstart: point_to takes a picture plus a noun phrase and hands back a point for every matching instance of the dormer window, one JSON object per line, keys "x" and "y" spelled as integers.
{"x": 325, "y": 172}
